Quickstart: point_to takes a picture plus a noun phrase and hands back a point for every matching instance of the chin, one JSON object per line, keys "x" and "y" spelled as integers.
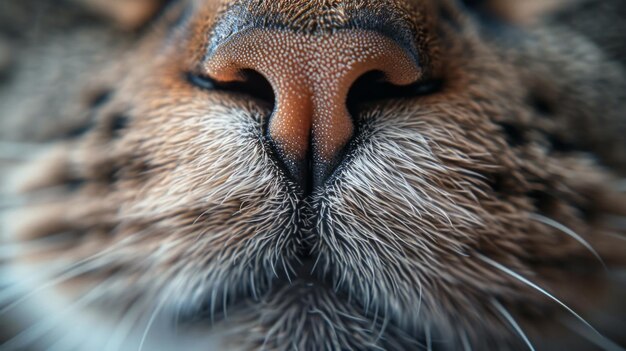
{"x": 294, "y": 175}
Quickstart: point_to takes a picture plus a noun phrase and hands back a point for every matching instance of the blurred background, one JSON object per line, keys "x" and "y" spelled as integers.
{"x": 51, "y": 52}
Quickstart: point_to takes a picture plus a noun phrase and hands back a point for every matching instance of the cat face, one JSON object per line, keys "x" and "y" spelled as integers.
{"x": 386, "y": 174}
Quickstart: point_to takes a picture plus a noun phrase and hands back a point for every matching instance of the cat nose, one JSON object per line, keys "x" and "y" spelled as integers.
{"x": 311, "y": 76}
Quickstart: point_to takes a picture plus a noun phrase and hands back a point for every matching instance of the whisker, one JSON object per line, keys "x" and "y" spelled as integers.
{"x": 509, "y": 318}
{"x": 124, "y": 328}
{"x": 536, "y": 287}
{"x": 616, "y": 236}
{"x": 556, "y": 225}
{"x": 465, "y": 341}
{"x": 65, "y": 273}
{"x": 63, "y": 344}
{"x": 598, "y": 340}
{"x": 17, "y": 290}
{"x": 429, "y": 341}
{"x": 74, "y": 270}
{"x": 383, "y": 327}
{"x": 151, "y": 321}
{"x": 617, "y": 222}
{"x": 31, "y": 334}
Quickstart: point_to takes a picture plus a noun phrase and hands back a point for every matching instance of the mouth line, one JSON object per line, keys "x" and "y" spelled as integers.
{"x": 308, "y": 292}
{"x": 304, "y": 271}
{"x": 304, "y": 277}
{"x": 301, "y": 270}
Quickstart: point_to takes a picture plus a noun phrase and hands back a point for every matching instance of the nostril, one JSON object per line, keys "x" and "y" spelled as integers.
{"x": 366, "y": 88}
{"x": 373, "y": 86}
{"x": 313, "y": 80}
{"x": 201, "y": 81}
{"x": 252, "y": 83}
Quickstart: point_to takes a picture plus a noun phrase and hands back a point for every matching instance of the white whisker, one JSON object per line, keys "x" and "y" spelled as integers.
{"x": 509, "y": 318}
{"x": 59, "y": 274}
{"x": 151, "y": 321}
{"x": 72, "y": 271}
{"x": 124, "y": 328}
{"x": 465, "y": 341}
{"x": 616, "y": 236}
{"x": 63, "y": 344}
{"x": 599, "y": 340}
{"x": 536, "y": 287}
{"x": 429, "y": 341}
{"x": 617, "y": 222}
{"x": 556, "y": 225}
{"x": 31, "y": 334}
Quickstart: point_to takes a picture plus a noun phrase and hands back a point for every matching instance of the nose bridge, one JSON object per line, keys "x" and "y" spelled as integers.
{"x": 311, "y": 75}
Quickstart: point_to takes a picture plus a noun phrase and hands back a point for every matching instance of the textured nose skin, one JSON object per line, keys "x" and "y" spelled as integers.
{"x": 311, "y": 76}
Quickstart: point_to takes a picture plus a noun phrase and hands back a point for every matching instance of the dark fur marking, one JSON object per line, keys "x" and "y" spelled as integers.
{"x": 544, "y": 202}
{"x": 513, "y": 133}
{"x": 95, "y": 103}
{"x": 74, "y": 184}
{"x": 559, "y": 144}
{"x": 79, "y": 130}
{"x": 101, "y": 98}
{"x": 117, "y": 124}
{"x": 541, "y": 105}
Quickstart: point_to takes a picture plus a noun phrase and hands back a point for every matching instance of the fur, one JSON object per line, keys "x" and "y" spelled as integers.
{"x": 486, "y": 215}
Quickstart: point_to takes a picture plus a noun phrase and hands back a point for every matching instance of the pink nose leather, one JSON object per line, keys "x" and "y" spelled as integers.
{"x": 311, "y": 76}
